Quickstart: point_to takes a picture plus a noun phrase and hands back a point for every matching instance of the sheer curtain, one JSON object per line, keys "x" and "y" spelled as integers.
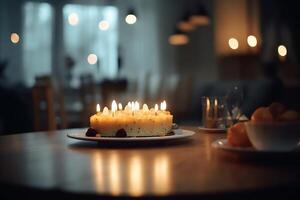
{"x": 86, "y": 38}
{"x": 37, "y": 49}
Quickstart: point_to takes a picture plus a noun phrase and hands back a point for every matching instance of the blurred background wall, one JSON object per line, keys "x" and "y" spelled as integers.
{"x": 61, "y": 49}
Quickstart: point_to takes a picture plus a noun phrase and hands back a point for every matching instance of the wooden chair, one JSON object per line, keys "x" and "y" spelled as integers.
{"x": 45, "y": 104}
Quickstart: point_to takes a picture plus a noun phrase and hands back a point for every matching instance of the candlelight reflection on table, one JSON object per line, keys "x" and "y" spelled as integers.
{"x": 161, "y": 173}
{"x": 126, "y": 175}
{"x": 136, "y": 182}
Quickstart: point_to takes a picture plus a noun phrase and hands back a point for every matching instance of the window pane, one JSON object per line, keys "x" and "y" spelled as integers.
{"x": 82, "y": 36}
{"x": 37, "y": 40}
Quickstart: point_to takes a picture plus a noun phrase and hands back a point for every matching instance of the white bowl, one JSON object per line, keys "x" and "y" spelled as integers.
{"x": 273, "y": 136}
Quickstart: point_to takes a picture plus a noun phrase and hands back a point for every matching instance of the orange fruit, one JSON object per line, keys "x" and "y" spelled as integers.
{"x": 237, "y": 135}
{"x": 262, "y": 114}
{"x": 276, "y": 109}
{"x": 289, "y": 116}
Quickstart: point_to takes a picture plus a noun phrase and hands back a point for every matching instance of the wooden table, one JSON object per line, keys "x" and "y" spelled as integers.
{"x": 49, "y": 164}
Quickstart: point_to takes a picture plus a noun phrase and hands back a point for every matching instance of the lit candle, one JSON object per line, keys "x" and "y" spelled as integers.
{"x": 207, "y": 107}
{"x": 163, "y": 106}
{"x": 216, "y": 109}
{"x": 156, "y": 109}
{"x": 136, "y": 106}
{"x": 155, "y": 121}
{"x": 128, "y": 107}
{"x": 105, "y": 111}
{"x": 145, "y": 108}
{"x": 113, "y": 107}
{"x": 98, "y": 108}
{"x": 132, "y": 108}
{"x": 120, "y": 106}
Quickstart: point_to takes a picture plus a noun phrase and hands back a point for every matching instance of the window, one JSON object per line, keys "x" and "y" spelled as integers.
{"x": 37, "y": 42}
{"x": 91, "y": 30}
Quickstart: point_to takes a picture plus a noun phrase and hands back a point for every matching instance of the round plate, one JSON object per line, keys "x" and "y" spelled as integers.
{"x": 178, "y": 134}
{"x": 223, "y": 144}
{"x": 212, "y": 130}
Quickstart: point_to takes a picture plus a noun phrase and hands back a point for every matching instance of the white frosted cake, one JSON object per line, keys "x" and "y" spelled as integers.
{"x": 132, "y": 122}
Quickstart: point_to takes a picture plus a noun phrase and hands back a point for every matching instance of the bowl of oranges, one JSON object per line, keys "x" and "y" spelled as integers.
{"x": 272, "y": 128}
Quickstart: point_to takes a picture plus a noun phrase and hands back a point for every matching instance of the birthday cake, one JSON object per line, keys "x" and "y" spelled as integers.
{"x": 131, "y": 121}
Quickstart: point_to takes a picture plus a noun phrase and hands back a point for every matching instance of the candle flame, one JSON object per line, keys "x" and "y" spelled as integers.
{"x": 127, "y": 108}
{"x": 207, "y": 103}
{"x": 129, "y": 104}
{"x": 114, "y": 106}
{"x": 145, "y": 107}
{"x": 163, "y": 105}
{"x": 120, "y": 106}
{"x": 105, "y": 110}
{"x": 156, "y": 107}
{"x": 98, "y": 108}
{"x": 136, "y": 106}
{"x": 216, "y": 102}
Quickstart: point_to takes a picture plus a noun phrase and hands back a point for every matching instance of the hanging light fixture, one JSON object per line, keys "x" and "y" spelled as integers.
{"x": 131, "y": 17}
{"x": 178, "y": 38}
{"x": 200, "y": 17}
{"x": 185, "y": 25}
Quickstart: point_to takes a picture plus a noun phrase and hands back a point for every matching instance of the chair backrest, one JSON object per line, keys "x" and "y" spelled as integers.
{"x": 48, "y": 105}
{"x": 43, "y": 102}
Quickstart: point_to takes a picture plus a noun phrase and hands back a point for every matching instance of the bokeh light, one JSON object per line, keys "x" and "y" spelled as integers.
{"x": 252, "y": 41}
{"x": 73, "y": 19}
{"x": 130, "y": 19}
{"x": 103, "y": 25}
{"x": 92, "y": 59}
{"x": 178, "y": 39}
{"x": 233, "y": 43}
{"x": 14, "y": 38}
{"x": 185, "y": 26}
{"x": 282, "y": 50}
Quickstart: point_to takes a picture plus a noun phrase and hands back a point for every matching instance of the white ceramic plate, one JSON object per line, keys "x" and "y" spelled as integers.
{"x": 212, "y": 130}
{"x": 178, "y": 134}
{"x": 223, "y": 144}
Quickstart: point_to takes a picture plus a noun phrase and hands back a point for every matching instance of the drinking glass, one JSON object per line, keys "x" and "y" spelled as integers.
{"x": 214, "y": 112}
{"x": 234, "y": 100}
